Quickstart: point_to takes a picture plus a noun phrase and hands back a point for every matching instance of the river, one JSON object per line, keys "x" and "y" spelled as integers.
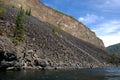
{"x": 77, "y": 74}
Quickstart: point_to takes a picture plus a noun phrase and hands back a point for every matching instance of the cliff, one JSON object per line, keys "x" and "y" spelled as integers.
{"x": 44, "y": 46}
{"x": 58, "y": 19}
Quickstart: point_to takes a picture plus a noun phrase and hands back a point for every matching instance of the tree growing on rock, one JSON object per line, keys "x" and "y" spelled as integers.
{"x": 19, "y": 29}
{"x": 28, "y": 12}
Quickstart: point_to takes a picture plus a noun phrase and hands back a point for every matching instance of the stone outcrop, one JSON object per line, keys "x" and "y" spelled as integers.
{"x": 59, "y": 20}
{"x": 8, "y": 58}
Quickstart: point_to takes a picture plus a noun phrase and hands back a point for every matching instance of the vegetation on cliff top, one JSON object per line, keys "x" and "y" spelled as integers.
{"x": 114, "y": 49}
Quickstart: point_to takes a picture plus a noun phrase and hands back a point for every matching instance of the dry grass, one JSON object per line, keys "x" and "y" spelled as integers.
{"x": 5, "y": 2}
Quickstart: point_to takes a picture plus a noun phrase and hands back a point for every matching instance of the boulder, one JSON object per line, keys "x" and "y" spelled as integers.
{"x": 10, "y": 56}
{"x": 43, "y": 64}
{"x": 1, "y": 55}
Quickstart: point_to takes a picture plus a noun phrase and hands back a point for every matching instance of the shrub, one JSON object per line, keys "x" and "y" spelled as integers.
{"x": 19, "y": 29}
{"x": 2, "y": 11}
{"x": 20, "y": 18}
{"x": 114, "y": 60}
{"x": 1, "y": 31}
{"x": 55, "y": 31}
{"x": 28, "y": 12}
{"x": 14, "y": 40}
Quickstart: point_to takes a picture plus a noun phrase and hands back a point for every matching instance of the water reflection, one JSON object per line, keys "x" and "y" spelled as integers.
{"x": 83, "y": 74}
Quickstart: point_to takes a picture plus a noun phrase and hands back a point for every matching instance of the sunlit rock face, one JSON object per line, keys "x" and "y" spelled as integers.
{"x": 59, "y": 20}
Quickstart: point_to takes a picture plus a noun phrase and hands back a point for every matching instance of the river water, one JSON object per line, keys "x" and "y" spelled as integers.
{"x": 81, "y": 74}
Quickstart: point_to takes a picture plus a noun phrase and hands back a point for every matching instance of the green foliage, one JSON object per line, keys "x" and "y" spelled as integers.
{"x": 14, "y": 40}
{"x": 20, "y": 17}
{"x": 54, "y": 31}
{"x": 114, "y": 49}
{"x": 2, "y": 11}
{"x": 28, "y": 12}
{"x": 1, "y": 31}
{"x": 19, "y": 29}
{"x": 114, "y": 60}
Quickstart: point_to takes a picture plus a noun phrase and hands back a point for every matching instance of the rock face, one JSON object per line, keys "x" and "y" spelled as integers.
{"x": 8, "y": 58}
{"x": 45, "y": 46}
{"x": 59, "y": 20}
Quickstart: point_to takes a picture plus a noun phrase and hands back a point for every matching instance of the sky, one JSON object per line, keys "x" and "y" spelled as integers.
{"x": 101, "y": 16}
